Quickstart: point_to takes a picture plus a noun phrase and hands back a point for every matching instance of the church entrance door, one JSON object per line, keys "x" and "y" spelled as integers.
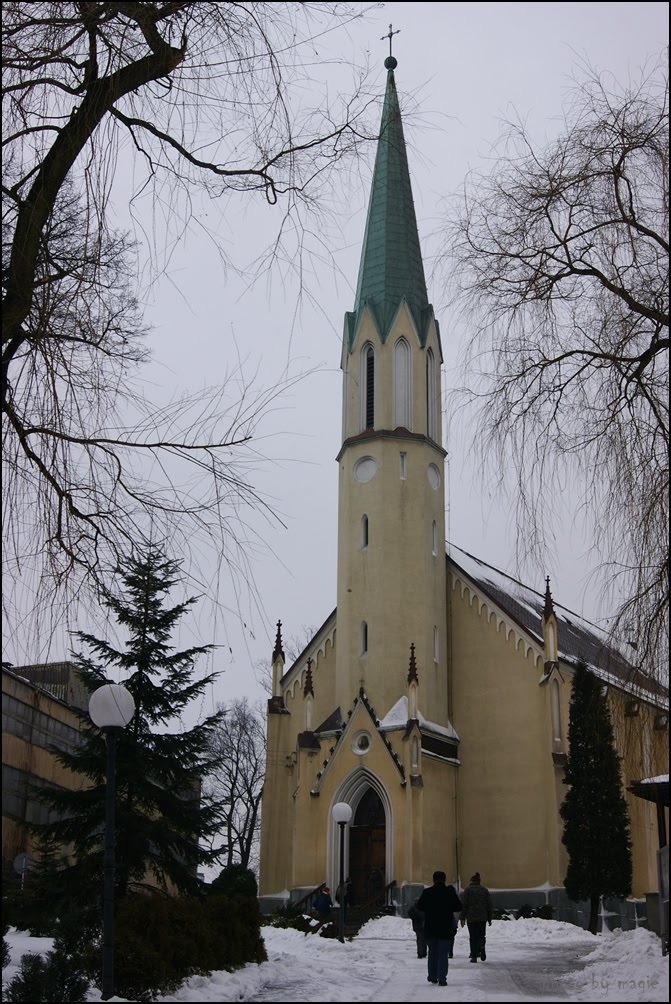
{"x": 367, "y": 842}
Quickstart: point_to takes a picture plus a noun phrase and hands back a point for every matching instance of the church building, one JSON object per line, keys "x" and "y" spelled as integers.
{"x": 434, "y": 699}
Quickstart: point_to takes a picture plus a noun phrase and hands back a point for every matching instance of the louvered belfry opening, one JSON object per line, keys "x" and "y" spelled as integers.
{"x": 370, "y": 389}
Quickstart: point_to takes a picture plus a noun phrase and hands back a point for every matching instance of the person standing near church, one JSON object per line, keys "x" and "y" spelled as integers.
{"x": 477, "y": 913}
{"x": 323, "y": 904}
{"x": 438, "y": 903}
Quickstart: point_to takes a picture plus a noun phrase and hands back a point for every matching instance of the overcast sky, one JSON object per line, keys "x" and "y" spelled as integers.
{"x": 462, "y": 69}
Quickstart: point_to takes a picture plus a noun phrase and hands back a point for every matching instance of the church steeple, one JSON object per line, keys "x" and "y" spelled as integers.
{"x": 391, "y": 268}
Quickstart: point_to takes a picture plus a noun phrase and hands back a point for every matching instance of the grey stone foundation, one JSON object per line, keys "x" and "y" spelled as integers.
{"x": 615, "y": 913}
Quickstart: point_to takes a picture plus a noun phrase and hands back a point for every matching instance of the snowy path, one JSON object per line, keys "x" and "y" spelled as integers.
{"x": 387, "y": 969}
{"x": 515, "y": 976}
{"x": 527, "y": 960}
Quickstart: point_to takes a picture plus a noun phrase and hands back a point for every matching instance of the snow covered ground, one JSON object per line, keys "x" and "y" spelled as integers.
{"x": 527, "y": 960}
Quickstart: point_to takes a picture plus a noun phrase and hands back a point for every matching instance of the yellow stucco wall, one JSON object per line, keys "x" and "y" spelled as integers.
{"x": 396, "y": 584}
{"x": 502, "y": 786}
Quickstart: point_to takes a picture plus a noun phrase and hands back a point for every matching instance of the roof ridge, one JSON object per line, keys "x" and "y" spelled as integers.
{"x": 511, "y": 578}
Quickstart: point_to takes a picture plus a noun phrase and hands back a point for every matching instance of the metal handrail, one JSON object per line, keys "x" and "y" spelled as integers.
{"x": 380, "y": 901}
{"x": 298, "y": 906}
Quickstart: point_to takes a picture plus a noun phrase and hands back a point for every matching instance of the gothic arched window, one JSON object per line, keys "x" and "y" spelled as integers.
{"x": 367, "y": 383}
{"x": 431, "y": 420}
{"x": 364, "y": 638}
{"x": 402, "y": 384}
{"x": 364, "y": 532}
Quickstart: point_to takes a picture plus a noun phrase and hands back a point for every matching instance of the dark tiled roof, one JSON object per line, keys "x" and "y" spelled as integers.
{"x": 578, "y": 639}
{"x": 299, "y": 657}
{"x": 45, "y": 672}
{"x": 333, "y": 723}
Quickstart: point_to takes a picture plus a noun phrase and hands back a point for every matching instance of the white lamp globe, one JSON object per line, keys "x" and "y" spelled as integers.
{"x": 341, "y": 812}
{"x": 111, "y": 706}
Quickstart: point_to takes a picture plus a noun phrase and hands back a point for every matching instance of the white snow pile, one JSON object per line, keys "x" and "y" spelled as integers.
{"x": 624, "y": 966}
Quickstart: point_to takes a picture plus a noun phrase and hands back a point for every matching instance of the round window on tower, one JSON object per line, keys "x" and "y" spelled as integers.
{"x": 433, "y": 474}
{"x": 361, "y": 743}
{"x": 365, "y": 470}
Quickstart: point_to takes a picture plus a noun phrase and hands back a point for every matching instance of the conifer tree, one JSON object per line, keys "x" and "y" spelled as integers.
{"x": 160, "y": 813}
{"x": 596, "y": 821}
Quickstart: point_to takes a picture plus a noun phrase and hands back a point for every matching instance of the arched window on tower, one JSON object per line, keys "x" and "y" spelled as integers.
{"x": 431, "y": 419}
{"x": 364, "y": 532}
{"x": 434, "y": 538}
{"x": 364, "y": 638}
{"x": 402, "y": 385}
{"x": 367, "y": 384}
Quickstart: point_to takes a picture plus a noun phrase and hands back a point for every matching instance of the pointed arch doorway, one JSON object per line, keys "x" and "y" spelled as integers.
{"x": 367, "y": 847}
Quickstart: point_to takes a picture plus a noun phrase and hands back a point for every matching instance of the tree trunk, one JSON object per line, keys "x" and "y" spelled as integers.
{"x": 594, "y": 914}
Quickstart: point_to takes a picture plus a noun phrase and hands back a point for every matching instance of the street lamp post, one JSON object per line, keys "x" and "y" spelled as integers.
{"x": 111, "y": 707}
{"x": 341, "y": 813}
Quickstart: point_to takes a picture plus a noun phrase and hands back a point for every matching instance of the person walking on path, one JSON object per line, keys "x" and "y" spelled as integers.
{"x": 417, "y": 918}
{"x": 439, "y": 903}
{"x": 455, "y": 928}
{"x": 477, "y": 913}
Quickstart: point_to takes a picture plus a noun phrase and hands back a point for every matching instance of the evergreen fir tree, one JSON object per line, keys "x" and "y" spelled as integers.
{"x": 160, "y": 814}
{"x": 56, "y": 977}
{"x": 27, "y": 901}
{"x": 596, "y": 822}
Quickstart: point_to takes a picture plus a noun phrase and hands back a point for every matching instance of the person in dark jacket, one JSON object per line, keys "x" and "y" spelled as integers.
{"x": 455, "y": 928}
{"x": 477, "y": 913}
{"x": 439, "y": 904}
{"x": 323, "y": 903}
{"x": 417, "y": 918}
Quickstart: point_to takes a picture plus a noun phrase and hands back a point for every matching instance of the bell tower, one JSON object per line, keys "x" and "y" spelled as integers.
{"x": 391, "y": 512}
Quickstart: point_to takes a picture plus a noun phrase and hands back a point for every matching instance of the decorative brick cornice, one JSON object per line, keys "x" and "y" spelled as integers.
{"x": 491, "y": 611}
{"x": 398, "y": 434}
{"x": 361, "y": 699}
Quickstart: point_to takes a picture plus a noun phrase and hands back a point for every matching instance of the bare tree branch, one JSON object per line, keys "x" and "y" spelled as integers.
{"x": 236, "y": 784}
{"x": 560, "y": 255}
{"x": 203, "y": 92}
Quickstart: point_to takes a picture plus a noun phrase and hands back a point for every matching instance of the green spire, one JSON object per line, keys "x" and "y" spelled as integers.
{"x": 391, "y": 267}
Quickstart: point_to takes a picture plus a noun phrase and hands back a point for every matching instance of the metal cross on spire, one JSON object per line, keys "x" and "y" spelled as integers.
{"x": 390, "y": 35}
